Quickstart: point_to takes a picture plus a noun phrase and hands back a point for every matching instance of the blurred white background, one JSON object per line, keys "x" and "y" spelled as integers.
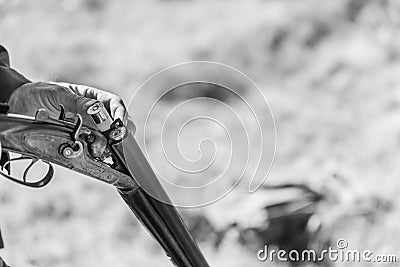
{"x": 328, "y": 68}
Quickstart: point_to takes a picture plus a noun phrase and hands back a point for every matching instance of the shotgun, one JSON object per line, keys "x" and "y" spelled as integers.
{"x": 109, "y": 154}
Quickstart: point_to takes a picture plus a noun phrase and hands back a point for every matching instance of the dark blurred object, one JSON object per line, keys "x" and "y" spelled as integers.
{"x": 286, "y": 218}
{"x": 287, "y": 224}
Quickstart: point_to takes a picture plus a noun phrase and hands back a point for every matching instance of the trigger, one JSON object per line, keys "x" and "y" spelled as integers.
{"x": 4, "y": 159}
{"x": 33, "y": 162}
{"x": 4, "y": 108}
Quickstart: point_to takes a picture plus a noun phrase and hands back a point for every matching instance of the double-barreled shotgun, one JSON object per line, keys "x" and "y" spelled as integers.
{"x": 110, "y": 154}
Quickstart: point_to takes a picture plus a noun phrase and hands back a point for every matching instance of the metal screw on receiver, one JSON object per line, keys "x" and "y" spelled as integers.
{"x": 100, "y": 116}
{"x": 71, "y": 152}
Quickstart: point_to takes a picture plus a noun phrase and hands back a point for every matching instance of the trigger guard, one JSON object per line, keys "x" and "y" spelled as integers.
{"x": 41, "y": 183}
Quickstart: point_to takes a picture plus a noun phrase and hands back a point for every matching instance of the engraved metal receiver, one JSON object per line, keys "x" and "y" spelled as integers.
{"x": 63, "y": 141}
